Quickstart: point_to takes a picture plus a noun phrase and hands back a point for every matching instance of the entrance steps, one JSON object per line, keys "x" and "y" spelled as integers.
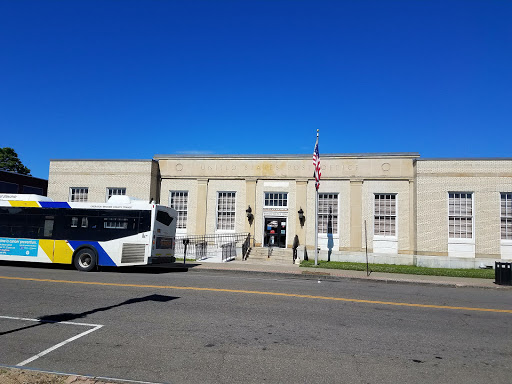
{"x": 278, "y": 256}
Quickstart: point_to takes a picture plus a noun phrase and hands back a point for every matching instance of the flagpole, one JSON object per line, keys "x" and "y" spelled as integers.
{"x": 316, "y": 226}
{"x": 316, "y": 212}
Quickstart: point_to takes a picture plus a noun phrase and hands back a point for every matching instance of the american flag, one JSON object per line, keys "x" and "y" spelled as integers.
{"x": 316, "y": 163}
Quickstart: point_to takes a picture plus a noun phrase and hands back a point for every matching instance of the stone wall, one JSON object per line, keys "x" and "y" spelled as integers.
{"x": 485, "y": 179}
{"x": 137, "y": 176}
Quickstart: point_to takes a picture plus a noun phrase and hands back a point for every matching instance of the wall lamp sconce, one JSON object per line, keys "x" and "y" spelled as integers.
{"x": 250, "y": 216}
{"x": 302, "y": 218}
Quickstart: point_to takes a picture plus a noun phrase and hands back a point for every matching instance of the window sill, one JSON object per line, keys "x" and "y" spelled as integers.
{"x": 386, "y": 238}
{"x": 461, "y": 241}
{"x": 327, "y": 235}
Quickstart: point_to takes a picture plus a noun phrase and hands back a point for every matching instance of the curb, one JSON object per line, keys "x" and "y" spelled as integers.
{"x": 307, "y": 275}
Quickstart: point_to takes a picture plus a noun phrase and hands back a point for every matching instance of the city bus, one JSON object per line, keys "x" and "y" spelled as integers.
{"x": 122, "y": 232}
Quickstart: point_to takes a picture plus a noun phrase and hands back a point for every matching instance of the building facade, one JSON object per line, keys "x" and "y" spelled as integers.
{"x": 398, "y": 207}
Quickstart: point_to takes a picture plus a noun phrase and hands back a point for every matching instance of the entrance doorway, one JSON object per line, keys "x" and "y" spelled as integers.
{"x": 275, "y": 232}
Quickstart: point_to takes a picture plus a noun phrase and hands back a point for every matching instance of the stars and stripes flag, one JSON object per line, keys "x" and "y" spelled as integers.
{"x": 316, "y": 163}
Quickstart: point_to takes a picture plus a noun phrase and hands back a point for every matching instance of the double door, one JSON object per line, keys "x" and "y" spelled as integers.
{"x": 275, "y": 232}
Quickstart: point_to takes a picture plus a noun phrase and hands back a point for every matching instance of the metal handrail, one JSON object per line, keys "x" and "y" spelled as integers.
{"x": 246, "y": 247}
{"x": 203, "y": 246}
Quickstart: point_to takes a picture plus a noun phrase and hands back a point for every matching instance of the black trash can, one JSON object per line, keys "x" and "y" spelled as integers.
{"x": 503, "y": 273}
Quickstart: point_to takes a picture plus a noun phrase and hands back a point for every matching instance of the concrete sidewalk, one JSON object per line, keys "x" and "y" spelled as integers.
{"x": 293, "y": 270}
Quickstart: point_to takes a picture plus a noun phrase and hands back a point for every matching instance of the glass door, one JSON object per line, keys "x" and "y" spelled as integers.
{"x": 275, "y": 232}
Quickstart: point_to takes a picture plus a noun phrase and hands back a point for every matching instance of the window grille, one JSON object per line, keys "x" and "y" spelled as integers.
{"x": 226, "y": 211}
{"x": 460, "y": 215}
{"x": 506, "y": 216}
{"x": 78, "y": 194}
{"x": 115, "y": 192}
{"x": 328, "y": 213}
{"x": 384, "y": 220}
{"x": 276, "y": 199}
{"x": 179, "y": 202}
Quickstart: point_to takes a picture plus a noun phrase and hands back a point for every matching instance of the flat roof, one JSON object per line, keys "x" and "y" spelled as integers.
{"x": 289, "y": 156}
{"x": 102, "y": 159}
{"x": 20, "y": 174}
{"x": 463, "y": 158}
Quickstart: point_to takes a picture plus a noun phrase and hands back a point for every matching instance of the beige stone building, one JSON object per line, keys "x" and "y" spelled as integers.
{"x": 398, "y": 207}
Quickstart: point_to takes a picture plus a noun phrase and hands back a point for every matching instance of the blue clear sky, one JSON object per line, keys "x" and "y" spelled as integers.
{"x": 130, "y": 79}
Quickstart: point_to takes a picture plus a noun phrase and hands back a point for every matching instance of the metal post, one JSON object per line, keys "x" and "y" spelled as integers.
{"x": 185, "y": 243}
{"x": 366, "y": 249}
{"x": 316, "y": 226}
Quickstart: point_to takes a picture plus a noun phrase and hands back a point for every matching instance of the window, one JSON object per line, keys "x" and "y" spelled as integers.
{"x": 179, "y": 202}
{"x": 26, "y": 222}
{"x": 83, "y": 220}
{"x": 48, "y": 226}
{"x": 164, "y": 218}
{"x": 78, "y": 194}
{"x": 506, "y": 216}
{"x": 226, "y": 211}
{"x": 460, "y": 216}
{"x": 8, "y": 187}
{"x": 276, "y": 199}
{"x": 384, "y": 219}
{"x": 115, "y": 223}
{"x": 115, "y": 192}
{"x": 34, "y": 190}
{"x": 328, "y": 213}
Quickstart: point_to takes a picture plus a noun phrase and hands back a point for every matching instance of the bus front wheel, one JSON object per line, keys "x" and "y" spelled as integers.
{"x": 85, "y": 260}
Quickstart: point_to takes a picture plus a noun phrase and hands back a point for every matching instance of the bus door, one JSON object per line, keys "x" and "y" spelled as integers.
{"x": 45, "y": 235}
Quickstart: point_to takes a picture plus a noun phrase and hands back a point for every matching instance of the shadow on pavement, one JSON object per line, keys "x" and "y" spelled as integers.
{"x": 57, "y": 318}
{"x": 147, "y": 269}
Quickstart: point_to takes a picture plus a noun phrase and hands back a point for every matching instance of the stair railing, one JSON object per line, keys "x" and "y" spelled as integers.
{"x": 246, "y": 247}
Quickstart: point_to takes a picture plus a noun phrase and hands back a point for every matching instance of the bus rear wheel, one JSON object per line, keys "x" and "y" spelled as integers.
{"x": 85, "y": 260}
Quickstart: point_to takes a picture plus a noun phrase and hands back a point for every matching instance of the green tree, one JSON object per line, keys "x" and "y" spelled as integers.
{"x": 9, "y": 161}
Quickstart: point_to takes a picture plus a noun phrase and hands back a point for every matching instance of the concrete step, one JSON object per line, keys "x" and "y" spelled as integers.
{"x": 278, "y": 256}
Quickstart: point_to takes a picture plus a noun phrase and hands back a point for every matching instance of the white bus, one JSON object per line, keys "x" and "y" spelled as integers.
{"x": 122, "y": 232}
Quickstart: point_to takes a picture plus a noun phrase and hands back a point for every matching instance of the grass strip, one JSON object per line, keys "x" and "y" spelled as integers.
{"x": 405, "y": 269}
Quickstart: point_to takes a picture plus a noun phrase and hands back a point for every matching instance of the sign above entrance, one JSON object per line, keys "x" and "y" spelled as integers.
{"x": 276, "y": 184}
{"x": 275, "y": 167}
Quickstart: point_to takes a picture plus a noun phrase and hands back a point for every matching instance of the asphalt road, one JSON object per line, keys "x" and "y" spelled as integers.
{"x": 199, "y": 327}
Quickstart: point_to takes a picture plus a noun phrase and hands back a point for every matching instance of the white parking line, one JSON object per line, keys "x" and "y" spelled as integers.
{"x": 46, "y": 351}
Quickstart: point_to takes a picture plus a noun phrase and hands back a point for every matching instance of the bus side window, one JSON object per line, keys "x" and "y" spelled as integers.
{"x": 48, "y": 226}
{"x": 115, "y": 223}
{"x": 5, "y": 229}
{"x": 145, "y": 221}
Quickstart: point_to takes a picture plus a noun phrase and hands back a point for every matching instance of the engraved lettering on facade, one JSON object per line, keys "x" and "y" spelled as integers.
{"x": 386, "y": 167}
{"x": 179, "y": 167}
